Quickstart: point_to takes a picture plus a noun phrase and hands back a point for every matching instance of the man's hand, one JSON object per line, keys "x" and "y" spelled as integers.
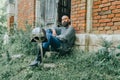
{"x": 54, "y": 32}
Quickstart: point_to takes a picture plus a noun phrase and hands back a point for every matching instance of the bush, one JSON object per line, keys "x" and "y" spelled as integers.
{"x": 19, "y": 43}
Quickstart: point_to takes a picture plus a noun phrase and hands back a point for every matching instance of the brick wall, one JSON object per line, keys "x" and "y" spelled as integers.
{"x": 26, "y": 12}
{"x": 10, "y": 22}
{"x": 78, "y": 15}
{"x": 106, "y": 16}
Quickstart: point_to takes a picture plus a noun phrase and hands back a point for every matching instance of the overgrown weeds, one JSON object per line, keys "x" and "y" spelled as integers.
{"x": 19, "y": 42}
{"x": 103, "y": 65}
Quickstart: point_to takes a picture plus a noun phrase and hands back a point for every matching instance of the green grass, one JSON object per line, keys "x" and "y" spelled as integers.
{"x": 77, "y": 66}
{"x": 103, "y": 65}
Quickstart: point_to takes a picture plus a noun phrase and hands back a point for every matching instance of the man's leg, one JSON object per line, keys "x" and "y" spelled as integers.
{"x": 38, "y": 58}
{"x": 51, "y": 40}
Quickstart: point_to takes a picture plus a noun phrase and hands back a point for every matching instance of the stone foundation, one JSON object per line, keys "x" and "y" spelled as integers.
{"x": 91, "y": 42}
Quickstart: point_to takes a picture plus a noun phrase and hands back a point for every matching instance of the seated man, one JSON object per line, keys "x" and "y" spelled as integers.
{"x": 59, "y": 37}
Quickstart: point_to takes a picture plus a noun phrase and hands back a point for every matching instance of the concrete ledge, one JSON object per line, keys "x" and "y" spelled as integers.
{"x": 92, "y": 41}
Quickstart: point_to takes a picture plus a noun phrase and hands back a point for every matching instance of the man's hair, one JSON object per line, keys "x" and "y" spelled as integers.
{"x": 66, "y": 16}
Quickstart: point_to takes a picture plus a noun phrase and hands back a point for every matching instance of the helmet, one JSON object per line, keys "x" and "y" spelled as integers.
{"x": 38, "y": 34}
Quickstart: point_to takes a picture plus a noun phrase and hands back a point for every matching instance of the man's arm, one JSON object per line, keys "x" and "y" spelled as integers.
{"x": 70, "y": 32}
{"x": 54, "y": 32}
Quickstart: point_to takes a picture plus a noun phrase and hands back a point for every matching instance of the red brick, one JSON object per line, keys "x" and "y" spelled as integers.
{"x": 97, "y": 2}
{"x": 82, "y": 28}
{"x": 82, "y": 4}
{"x": 97, "y": 17}
{"x": 96, "y": 25}
{"x": 77, "y": 28}
{"x": 116, "y": 23}
{"x": 107, "y": 28}
{"x": 105, "y": 1}
{"x": 114, "y": 28}
{"x": 95, "y": 21}
{"x": 82, "y": 31}
{"x": 103, "y": 24}
{"x": 116, "y": 11}
{"x": 105, "y": 12}
{"x": 103, "y": 17}
{"x": 105, "y": 20}
{"x": 117, "y": 15}
{"x": 78, "y": 2}
{"x": 111, "y": 15}
{"x": 82, "y": 22}
{"x": 94, "y": 28}
{"x": 74, "y": 25}
{"x": 116, "y": 19}
{"x": 83, "y": 8}
{"x": 96, "y": 10}
{"x": 82, "y": 18}
{"x": 77, "y": 8}
{"x": 95, "y": 7}
{"x": 95, "y": 32}
{"x": 26, "y": 12}
{"x": 116, "y": 3}
{"x": 83, "y": 1}
{"x": 111, "y": 0}
{"x": 105, "y": 5}
{"x": 101, "y": 28}
{"x": 82, "y": 11}
{"x": 112, "y": 7}
{"x": 110, "y": 24}
{"x": 82, "y": 15}
{"x": 109, "y": 32}
{"x": 118, "y": 6}
{"x": 73, "y": 2}
{"x": 105, "y": 8}
{"x": 102, "y": 32}
{"x": 73, "y": 6}
{"x": 118, "y": 27}
{"x": 117, "y": 32}
{"x": 95, "y": 14}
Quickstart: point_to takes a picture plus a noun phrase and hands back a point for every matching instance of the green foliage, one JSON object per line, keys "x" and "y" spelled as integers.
{"x": 106, "y": 51}
{"x": 2, "y": 32}
{"x": 103, "y": 65}
{"x": 106, "y": 43}
{"x": 77, "y": 66}
{"x": 20, "y": 42}
{"x": 107, "y": 60}
{"x": 3, "y": 15}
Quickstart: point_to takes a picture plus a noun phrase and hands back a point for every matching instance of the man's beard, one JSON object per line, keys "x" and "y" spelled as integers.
{"x": 65, "y": 24}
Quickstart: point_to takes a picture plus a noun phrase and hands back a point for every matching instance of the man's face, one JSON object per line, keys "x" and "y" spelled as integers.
{"x": 65, "y": 21}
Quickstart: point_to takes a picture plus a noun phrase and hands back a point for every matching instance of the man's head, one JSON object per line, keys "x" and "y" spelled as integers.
{"x": 65, "y": 21}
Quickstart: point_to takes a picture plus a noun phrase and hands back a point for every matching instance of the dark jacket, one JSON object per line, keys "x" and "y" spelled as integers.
{"x": 66, "y": 35}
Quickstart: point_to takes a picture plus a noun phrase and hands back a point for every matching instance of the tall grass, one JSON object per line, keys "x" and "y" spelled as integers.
{"x": 19, "y": 42}
{"x": 101, "y": 65}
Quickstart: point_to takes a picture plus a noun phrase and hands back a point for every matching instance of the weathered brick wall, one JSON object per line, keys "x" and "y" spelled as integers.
{"x": 26, "y": 12}
{"x": 106, "y": 16}
{"x": 78, "y": 15}
{"x": 10, "y": 22}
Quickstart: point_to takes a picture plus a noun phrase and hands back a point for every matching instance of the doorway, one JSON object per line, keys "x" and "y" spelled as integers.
{"x": 64, "y": 8}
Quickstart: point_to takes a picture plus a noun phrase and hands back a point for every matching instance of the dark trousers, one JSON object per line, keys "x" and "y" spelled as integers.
{"x": 52, "y": 41}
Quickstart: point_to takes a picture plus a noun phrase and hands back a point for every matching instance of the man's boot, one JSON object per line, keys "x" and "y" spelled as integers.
{"x": 38, "y": 59}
